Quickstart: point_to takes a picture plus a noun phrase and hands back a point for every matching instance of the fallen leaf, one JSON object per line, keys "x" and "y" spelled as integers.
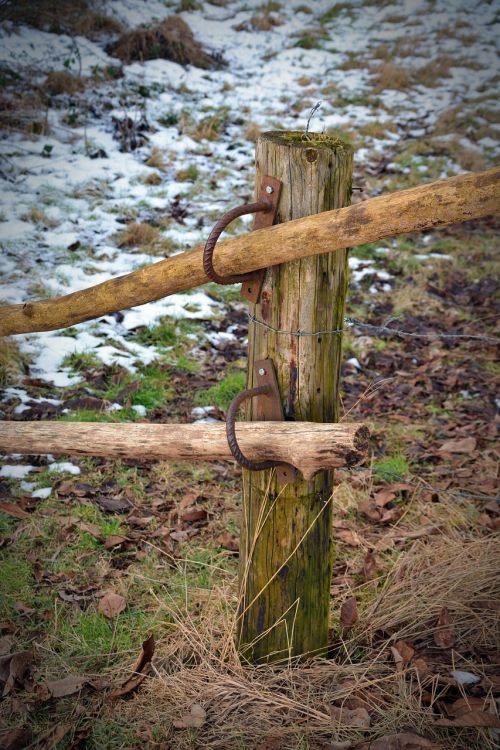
{"x": 11, "y": 509}
{"x": 66, "y": 686}
{"x": 464, "y": 445}
{"x": 196, "y": 514}
{"x": 348, "y": 536}
{"x": 229, "y": 541}
{"x": 52, "y": 738}
{"x": 115, "y": 540}
{"x": 357, "y": 717}
{"x": 401, "y": 741}
{"x": 6, "y": 643}
{"x": 370, "y": 510}
{"x": 444, "y": 636}
{"x": 90, "y": 528}
{"x": 140, "y": 670}
{"x": 195, "y": 719}
{"x": 405, "y": 650}
{"x": 471, "y": 719}
{"x": 113, "y": 506}
{"x": 369, "y": 569}
{"x": 13, "y": 669}
{"x": 348, "y": 614}
{"x": 465, "y": 705}
{"x": 112, "y": 604}
{"x": 15, "y": 739}
{"x": 421, "y": 667}
{"x": 188, "y": 499}
{"x": 382, "y": 497}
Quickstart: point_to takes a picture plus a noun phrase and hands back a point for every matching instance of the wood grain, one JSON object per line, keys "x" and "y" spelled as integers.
{"x": 309, "y": 447}
{"x": 306, "y": 295}
{"x": 434, "y": 205}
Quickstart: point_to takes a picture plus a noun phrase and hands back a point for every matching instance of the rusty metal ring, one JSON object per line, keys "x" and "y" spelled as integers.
{"x": 208, "y": 252}
{"x": 260, "y": 390}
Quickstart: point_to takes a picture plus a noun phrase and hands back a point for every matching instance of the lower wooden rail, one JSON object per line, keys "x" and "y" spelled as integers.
{"x": 308, "y": 446}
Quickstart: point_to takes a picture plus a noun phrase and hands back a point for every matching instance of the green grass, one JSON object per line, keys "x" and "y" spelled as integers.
{"x": 91, "y": 415}
{"x": 16, "y": 584}
{"x": 80, "y": 361}
{"x": 392, "y": 469}
{"x": 223, "y": 392}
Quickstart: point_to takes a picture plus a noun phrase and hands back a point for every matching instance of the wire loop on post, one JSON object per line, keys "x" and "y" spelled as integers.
{"x": 260, "y": 390}
{"x": 227, "y": 218}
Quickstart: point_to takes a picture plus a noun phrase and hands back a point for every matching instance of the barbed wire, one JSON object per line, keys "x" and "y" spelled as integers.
{"x": 376, "y": 330}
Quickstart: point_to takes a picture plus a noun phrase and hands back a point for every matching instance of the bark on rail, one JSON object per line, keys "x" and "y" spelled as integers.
{"x": 308, "y": 446}
{"x": 437, "y": 204}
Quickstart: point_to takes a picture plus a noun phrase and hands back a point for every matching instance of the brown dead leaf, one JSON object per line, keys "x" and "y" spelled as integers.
{"x": 112, "y": 604}
{"x": 195, "y": 719}
{"x": 53, "y": 737}
{"x": 115, "y": 540}
{"x": 348, "y": 614}
{"x": 370, "y": 510}
{"x": 11, "y": 509}
{"x": 463, "y": 445}
{"x": 140, "y": 670}
{"x": 471, "y": 719}
{"x": 369, "y": 569}
{"x": 465, "y": 705}
{"x": 188, "y": 499}
{"x": 401, "y": 741}
{"x": 356, "y": 717}
{"x": 444, "y": 636}
{"x": 382, "y": 497}
{"x": 15, "y": 739}
{"x": 405, "y": 650}
{"x": 90, "y": 528}
{"x": 195, "y": 514}
{"x": 229, "y": 541}
{"x": 348, "y": 536}
{"x": 14, "y": 668}
{"x": 421, "y": 667}
{"x": 66, "y": 686}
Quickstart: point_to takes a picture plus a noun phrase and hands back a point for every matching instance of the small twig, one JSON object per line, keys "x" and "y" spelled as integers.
{"x": 311, "y": 114}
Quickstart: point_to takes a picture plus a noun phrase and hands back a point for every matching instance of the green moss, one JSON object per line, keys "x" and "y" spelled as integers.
{"x": 309, "y": 140}
{"x": 223, "y": 393}
{"x": 391, "y": 469}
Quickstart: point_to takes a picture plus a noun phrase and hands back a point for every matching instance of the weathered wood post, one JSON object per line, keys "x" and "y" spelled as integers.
{"x": 286, "y": 540}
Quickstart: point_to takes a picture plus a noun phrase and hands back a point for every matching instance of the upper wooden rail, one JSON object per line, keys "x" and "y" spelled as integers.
{"x": 436, "y": 204}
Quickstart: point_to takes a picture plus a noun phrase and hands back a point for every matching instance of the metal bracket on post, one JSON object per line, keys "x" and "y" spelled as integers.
{"x": 270, "y": 190}
{"x": 264, "y": 209}
{"x": 268, "y": 409}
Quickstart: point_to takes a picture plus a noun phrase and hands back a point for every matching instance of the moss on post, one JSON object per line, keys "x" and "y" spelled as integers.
{"x": 286, "y": 546}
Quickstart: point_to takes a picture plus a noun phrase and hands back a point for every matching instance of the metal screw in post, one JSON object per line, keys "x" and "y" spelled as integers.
{"x": 269, "y": 189}
{"x": 262, "y": 371}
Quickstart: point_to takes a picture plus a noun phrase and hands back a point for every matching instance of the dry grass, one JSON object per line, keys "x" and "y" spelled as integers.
{"x": 13, "y": 364}
{"x": 139, "y": 235}
{"x": 387, "y": 75}
{"x": 156, "y": 159}
{"x": 287, "y": 706}
{"x": 252, "y": 131}
{"x": 172, "y": 39}
{"x": 62, "y": 82}
{"x": 37, "y": 216}
{"x": 61, "y": 16}
{"x": 452, "y": 572}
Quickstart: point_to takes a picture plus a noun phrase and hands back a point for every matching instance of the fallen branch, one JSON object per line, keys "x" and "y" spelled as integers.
{"x": 429, "y": 206}
{"x": 306, "y": 445}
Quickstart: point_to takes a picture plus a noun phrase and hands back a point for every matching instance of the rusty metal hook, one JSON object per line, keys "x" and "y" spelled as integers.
{"x": 260, "y": 390}
{"x": 227, "y": 218}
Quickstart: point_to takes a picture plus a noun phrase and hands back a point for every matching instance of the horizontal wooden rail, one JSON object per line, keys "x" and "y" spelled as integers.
{"x": 436, "y": 204}
{"x": 308, "y": 446}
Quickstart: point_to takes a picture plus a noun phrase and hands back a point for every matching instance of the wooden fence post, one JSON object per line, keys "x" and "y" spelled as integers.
{"x": 286, "y": 539}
